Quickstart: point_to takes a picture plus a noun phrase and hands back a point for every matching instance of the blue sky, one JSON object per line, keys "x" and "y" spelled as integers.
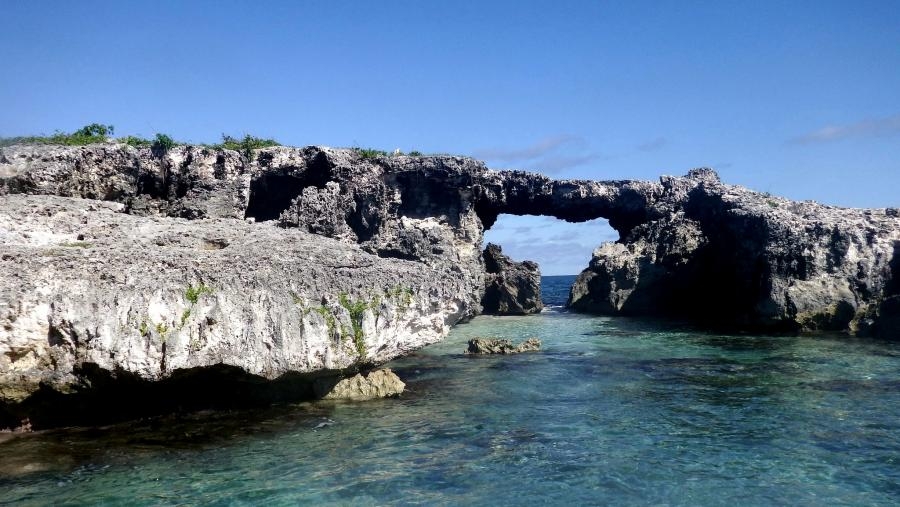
{"x": 795, "y": 98}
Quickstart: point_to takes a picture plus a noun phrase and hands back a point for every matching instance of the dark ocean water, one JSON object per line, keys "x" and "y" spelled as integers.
{"x": 612, "y": 411}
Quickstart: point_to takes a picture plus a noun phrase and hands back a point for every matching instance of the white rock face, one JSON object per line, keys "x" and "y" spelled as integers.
{"x": 83, "y": 283}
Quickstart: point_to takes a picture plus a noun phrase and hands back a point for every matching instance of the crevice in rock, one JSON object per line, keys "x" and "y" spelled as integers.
{"x": 273, "y": 192}
{"x": 428, "y": 195}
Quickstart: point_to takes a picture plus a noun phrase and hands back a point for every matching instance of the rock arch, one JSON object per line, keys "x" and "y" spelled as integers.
{"x": 689, "y": 246}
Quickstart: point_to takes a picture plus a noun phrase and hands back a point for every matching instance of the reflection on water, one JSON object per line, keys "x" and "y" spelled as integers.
{"x": 612, "y": 411}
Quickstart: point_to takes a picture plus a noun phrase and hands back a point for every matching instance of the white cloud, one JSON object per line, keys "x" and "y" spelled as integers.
{"x": 531, "y": 152}
{"x": 549, "y": 155}
{"x": 871, "y": 127}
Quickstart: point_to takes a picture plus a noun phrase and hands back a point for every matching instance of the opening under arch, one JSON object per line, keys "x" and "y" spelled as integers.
{"x": 559, "y": 247}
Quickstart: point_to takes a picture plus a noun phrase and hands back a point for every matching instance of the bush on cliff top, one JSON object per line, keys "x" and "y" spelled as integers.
{"x": 89, "y": 134}
{"x": 366, "y": 153}
{"x": 369, "y": 153}
{"x": 245, "y": 145}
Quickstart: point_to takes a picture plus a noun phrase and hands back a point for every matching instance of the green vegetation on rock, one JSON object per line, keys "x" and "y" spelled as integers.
{"x": 89, "y": 134}
{"x": 192, "y": 294}
{"x": 370, "y": 153}
{"x": 135, "y": 141}
{"x": 329, "y": 318}
{"x": 162, "y": 144}
{"x": 357, "y": 311}
{"x": 246, "y": 145}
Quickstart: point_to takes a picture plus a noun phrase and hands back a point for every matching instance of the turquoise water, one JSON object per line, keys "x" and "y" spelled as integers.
{"x": 612, "y": 411}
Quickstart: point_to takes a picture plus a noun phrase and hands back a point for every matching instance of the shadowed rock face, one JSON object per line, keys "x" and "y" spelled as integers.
{"x": 109, "y": 237}
{"x": 511, "y": 288}
{"x": 730, "y": 257}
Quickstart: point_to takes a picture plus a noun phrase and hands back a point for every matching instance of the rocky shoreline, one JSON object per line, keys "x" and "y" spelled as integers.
{"x": 125, "y": 267}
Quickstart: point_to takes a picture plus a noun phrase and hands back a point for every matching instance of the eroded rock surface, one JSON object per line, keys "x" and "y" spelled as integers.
{"x": 88, "y": 287}
{"x": 127, "y": 262}
{"x": 732, "y": 257}
{"x": 510, "y": 288}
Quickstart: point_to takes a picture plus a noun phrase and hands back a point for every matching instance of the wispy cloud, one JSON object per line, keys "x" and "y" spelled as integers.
{"x": 531, "y": 152}
{"x": 870, "y": 127}
{"x": 653, "y": 145}
{"x": 549, "y": 155}
{"x": 561, "y": 163}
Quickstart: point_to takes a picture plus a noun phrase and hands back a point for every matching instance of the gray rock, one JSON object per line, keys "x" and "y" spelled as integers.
{"x": 100, "y": 245}
{"x": 728, "y": 256}
{"x": 689, "y": 247}
{"x": 511, "y": 288}
{"x": 382, "y": 383}
{"x": 85, "y": 284}
{"x": 501, "y": 346}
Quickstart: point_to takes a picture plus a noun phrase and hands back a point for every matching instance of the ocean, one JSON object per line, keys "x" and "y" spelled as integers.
{"x": 612, "y": 411}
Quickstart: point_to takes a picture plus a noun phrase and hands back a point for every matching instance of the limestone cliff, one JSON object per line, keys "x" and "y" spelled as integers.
{"x": 123, "y": 262}
{"x": 121, "y": 266}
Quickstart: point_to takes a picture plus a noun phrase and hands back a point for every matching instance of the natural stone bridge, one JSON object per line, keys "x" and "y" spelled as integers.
{"x": 689, "y": 247}
{"x": 350, "y": 261}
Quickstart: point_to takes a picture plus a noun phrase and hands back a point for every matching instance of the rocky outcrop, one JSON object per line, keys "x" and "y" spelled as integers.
{"x": 689, "y": 247}
{"x": 501, "y": 346}
{"x": 382, "y": 383}
{"x": 87, "y": 287}
{"x": 728, "y": 256}
{"x": 119, "y": 262}
{"x": 510, "y": 288}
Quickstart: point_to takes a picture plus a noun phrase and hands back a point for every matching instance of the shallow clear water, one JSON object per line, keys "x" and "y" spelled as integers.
{"x": 612, "y": 411}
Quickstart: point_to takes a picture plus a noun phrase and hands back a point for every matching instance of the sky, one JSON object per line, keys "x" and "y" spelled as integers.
{"x": 800, "y": 99}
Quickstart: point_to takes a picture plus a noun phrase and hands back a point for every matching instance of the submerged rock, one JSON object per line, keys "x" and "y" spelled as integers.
{"x": 382, "y": 383}
{"x": 501, "y": 346}
{"x": 511, "y": 288}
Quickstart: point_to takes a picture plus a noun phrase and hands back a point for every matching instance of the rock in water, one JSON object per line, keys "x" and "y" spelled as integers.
{"x": 501, "y": 346}
{"x": 510, "y": 288}
{"x": 382, "y": 383}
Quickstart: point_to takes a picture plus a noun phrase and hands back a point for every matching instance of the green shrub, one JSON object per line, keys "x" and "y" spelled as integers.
{"x": 246, "y": 145}
{"x": 89, "y": 134}
{"x": 185, "y": 315}
{"x": 137, "y": 142}
{"x": 192, "y": 294}
{"x": 162, "y": 144}
{"x": 369, "y": 153}
{"x": 94, "y": 130}
{"x": 415, "y": 153}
